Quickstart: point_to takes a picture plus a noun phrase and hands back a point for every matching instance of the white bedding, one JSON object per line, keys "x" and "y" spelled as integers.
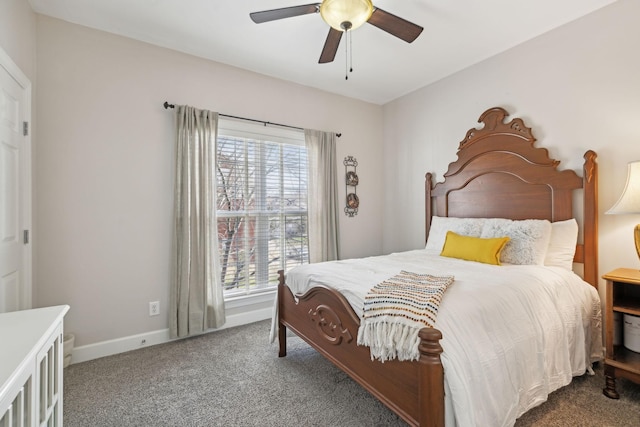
{"x": 511, "y": 334}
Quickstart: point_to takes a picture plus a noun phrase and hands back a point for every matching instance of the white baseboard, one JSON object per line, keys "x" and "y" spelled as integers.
{"x": 134, "y": 342}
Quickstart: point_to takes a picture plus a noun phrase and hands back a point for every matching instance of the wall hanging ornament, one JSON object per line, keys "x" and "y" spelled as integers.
{"x": 351, "y": 183}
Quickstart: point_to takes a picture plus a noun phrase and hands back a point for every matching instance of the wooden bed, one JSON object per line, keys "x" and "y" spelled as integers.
{"x": 498, "y": 173}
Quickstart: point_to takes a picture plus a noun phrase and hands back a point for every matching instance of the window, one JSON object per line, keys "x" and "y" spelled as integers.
{"x": 261, "y": 204}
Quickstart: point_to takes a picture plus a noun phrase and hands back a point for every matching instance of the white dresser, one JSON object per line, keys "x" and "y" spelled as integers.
{"x": 31, "y": 363}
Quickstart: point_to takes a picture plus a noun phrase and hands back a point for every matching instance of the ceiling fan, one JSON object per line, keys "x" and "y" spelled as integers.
{"x": 344, "y": 16}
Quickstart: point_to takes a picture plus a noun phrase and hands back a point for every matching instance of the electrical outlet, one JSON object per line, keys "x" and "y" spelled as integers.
{"x": 154, "y": 308}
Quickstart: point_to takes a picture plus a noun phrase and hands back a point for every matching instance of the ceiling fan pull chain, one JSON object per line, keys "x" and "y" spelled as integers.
{"x": 346, "y": 55}
{"x": 350, "y": 53}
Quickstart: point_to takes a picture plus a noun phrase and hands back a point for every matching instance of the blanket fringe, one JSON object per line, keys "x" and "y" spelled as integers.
{"x": 388, "y": 341}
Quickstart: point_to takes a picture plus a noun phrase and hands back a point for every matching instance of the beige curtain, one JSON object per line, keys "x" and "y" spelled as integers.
{"x": 323, "y": 196}
{"x": 197, "y": 301}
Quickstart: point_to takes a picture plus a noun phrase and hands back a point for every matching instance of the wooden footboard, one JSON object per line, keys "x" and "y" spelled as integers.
{"x": 324, "y": 319}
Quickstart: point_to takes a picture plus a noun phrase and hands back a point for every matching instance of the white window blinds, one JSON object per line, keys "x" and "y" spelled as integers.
{"x": 261, "y": 204}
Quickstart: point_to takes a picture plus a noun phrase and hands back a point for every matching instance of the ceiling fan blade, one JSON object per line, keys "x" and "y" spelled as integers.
{"x": 330, "y": 46}
{"x": 395, "y": 25}
{"x": 285, "y": 12}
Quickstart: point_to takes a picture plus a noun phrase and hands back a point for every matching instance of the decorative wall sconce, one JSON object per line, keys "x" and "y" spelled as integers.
{"x": 351, "y": 182}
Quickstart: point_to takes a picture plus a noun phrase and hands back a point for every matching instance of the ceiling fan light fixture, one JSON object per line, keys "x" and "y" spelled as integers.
{"x": 346, "y": 14}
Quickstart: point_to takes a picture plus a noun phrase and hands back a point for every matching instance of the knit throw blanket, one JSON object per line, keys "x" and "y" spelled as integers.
{"x": 396, "y": 309}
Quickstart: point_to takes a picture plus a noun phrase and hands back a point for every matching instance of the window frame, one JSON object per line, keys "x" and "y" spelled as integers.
{"x": 238, "y": 128}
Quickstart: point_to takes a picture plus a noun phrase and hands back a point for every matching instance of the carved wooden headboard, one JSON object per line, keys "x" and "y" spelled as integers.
{"x": 500, "y": 174}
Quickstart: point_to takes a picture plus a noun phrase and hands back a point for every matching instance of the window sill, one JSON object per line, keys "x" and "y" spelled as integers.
{"x": 245, "y": 300}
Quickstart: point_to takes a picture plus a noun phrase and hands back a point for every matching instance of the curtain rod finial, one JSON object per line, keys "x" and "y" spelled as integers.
{"x": 167, "y": 105}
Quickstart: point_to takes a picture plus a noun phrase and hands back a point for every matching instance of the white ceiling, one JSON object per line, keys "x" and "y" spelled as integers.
{"x": 457, "y": 34}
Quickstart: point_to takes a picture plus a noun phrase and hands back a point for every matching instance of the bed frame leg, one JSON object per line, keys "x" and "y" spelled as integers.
{"x": 282, "y": 339}
{"x": 282, "y": 330}
{"x": 431, "y": 385}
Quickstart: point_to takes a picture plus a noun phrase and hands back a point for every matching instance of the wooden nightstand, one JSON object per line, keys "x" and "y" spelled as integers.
{"x": 622, "y": 296}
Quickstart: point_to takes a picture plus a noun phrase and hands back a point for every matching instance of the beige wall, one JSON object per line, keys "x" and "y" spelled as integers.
{"x": 576, "y": 86}
{"x": 18, "y": 34}
{"x": 104, "y": 172}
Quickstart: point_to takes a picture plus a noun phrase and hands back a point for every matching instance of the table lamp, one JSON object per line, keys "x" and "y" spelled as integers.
{"x": 629, "y": 201}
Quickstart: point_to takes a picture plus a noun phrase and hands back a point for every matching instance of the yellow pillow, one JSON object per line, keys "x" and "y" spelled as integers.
{"x": 473, "y": 248}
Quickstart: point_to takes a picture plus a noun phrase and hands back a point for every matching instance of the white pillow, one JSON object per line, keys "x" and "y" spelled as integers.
{"x": 562, "y": 245}
{"x": 529, "y": 239}
{"x": 463, "y": 226}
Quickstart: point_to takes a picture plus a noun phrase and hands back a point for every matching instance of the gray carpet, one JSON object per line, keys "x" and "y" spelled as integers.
{"x": 235, "y": 378}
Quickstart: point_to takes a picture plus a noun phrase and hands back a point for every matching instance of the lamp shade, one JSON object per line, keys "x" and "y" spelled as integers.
{"x": 629, "y": 201}
{"x": 346, "y": 14}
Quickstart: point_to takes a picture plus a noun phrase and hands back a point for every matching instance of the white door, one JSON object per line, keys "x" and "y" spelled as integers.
{"x": 15, "y": 187}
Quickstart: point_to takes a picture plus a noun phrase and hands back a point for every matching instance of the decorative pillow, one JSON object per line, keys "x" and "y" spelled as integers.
{"x": 528, "y": 242}
{"x": 562, "y": 245}
{"x": 473, "y": 248}
{"x": 463, "y": 226}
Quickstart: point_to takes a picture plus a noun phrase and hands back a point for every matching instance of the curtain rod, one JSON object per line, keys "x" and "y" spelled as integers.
{"x": 167, "y": 106}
